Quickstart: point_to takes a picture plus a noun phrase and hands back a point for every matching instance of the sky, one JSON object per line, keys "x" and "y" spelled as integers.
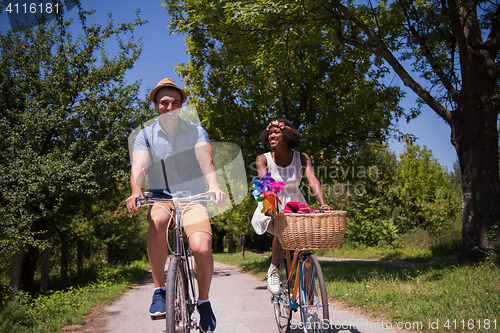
{"x": 163, "y": 51}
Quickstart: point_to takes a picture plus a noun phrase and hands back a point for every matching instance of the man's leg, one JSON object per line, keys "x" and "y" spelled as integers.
{"x": 201, "y": 245}
{"x": 158, "y": 253}
{"x": 157, "y": 245}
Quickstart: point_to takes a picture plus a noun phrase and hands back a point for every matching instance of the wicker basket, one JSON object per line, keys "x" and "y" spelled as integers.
{"x": 310, "y": 231}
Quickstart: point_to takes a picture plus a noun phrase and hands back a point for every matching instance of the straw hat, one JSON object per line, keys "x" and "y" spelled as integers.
{"x": 167, "y": 83}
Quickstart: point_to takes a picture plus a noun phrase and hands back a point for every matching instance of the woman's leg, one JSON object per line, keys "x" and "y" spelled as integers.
{"x": 277, "y": 252}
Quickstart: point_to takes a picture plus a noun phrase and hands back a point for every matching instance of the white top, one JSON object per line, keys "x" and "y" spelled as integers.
{"x": 291, "y": 176}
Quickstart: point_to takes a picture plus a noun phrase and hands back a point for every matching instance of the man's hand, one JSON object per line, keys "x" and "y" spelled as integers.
{"x": 220, "y": 197}
{"x": 132, "y": 205}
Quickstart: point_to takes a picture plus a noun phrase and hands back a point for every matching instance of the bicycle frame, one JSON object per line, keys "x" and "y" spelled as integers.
{"x": 304, "y": 292}
{"x": 179, "y": 249}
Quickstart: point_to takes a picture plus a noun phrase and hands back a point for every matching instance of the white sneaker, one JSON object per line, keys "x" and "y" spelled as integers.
{"x": 273, "y": 279}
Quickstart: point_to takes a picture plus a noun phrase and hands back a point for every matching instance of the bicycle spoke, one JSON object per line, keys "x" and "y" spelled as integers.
{"x": 177, "y": 314}
{"x": 281, "y": 302}
{"x": 313, "y": 298}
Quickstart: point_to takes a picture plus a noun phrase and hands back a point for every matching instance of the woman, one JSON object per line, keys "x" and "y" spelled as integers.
{"x": 287, "y": 166}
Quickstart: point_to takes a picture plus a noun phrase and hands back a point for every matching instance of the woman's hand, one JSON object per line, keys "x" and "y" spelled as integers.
{"x": 269, "y": 212}
{"x": 326, "y": 207}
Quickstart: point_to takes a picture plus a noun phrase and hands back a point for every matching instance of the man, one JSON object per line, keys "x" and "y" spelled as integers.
{"x": 177, "y": 157}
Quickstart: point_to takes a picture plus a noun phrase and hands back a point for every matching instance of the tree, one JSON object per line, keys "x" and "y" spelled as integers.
{"x": 65, "y": 118}
{"x": 243, "y": 74}
{"x": 368, "y": 191}
{"x": 451, "y": 45}
{"x": 429, "y": 196}
{"x": 240, "y": 82}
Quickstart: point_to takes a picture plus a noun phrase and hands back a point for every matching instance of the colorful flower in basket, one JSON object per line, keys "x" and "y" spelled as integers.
{"x": 270, "y": 199}
{"x": 265, "y": 191}
{"x": 256, "y": 192}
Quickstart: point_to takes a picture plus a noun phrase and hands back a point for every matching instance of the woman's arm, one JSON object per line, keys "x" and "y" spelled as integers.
{"x": 313, "y": 181}
{"x": 261, "y": 163}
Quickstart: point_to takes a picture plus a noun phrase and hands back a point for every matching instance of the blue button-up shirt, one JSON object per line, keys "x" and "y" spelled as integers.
{"x": 173, "y": 168}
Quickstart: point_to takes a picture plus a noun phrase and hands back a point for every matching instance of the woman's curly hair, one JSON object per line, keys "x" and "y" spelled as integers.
{"x": 290, "y": 134}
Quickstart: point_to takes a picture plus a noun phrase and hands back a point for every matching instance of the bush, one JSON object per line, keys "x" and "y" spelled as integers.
{"x": 379, "y": 232}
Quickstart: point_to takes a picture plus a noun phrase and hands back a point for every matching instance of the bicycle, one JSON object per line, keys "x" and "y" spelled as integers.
{"x": 180, "y": 282}
{"x": 307, "y": 292}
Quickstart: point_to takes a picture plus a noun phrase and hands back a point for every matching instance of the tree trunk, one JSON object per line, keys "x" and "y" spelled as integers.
{"x": 105, "y": 251}
{"x": 243, "y": 246}
{"x": 45, "y": 269}
{"x": 243, "y": 237}
{"x": 217, "y": 239}
{"x": 15, "y": 271}
{"x": 29, "y": 267}
{"x": 64, "y": 259}
{"x": 475, "y": 138}
{"x": 79, "y": 258}
{"x": 30, "y": 261}
{"x": 230, "y": 242}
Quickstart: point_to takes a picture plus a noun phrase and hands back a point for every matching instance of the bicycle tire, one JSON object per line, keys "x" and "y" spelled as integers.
{"x": 177, "y": 315}
{"x": 282, "y": 309}
{"x": 313, "y": 297}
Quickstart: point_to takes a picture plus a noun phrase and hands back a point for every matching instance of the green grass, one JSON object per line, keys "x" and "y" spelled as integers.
{"x": 51, "y": 311}
{"x": 420, "y": 296}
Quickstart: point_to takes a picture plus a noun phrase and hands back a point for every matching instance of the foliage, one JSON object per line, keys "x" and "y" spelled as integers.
{"x": 240, "y": 77}
{"x": 429, "y": 196}
{"x": 66, "y": 112}
{"x": 375, "y": 212}
{"x": 242, "y": 74}
{"x": 237, "y": 220}
{"x": 385, "y": 198}
{"x": 109, "y": 224}
{"x": 319, "y": 63}
{"x": 56, "y": 309}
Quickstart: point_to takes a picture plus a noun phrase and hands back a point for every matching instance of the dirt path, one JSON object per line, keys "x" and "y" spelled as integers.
{"x": 240, "y": 301}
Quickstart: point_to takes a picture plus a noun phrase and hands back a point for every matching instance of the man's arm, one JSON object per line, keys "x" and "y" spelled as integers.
{"x": 140, "y": 161}
{"x": 203, "y": 152}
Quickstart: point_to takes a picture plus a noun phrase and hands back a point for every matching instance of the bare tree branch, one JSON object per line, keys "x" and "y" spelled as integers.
{"x": 428, "y": 55}
{"x": 383, "y": 51}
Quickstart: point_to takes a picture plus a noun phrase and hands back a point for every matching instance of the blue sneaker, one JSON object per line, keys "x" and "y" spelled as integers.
{"x": 157, "y": 308}
{"x": 207, "y": 317}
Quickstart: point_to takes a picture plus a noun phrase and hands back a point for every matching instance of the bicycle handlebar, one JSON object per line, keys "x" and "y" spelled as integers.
{"x": 148, "y": 197}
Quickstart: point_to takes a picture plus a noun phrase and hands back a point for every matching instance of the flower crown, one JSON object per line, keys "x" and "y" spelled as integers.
{"x": 276, "y": 123}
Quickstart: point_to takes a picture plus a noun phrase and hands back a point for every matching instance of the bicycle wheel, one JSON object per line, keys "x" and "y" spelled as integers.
{"x": 176, "y": 312}
{"x": 313, "y": 298}
{"x": 281, "y": 302}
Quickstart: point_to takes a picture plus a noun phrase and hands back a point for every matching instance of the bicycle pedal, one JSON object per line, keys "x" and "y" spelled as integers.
{"x": 158, "y": 317}
{"x": 194, "y": 324}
